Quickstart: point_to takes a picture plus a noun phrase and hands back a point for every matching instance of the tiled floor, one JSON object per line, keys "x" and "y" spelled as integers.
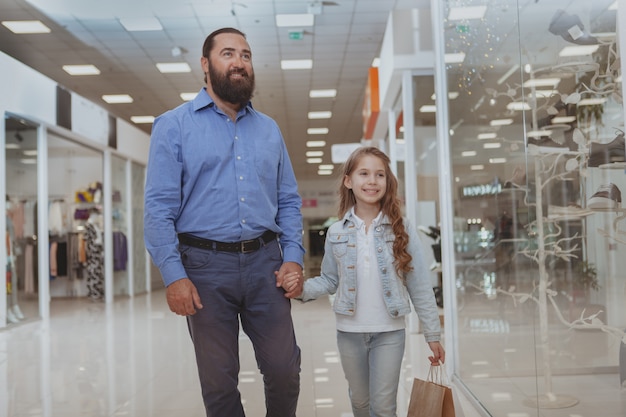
{"x": 134, "y": 358}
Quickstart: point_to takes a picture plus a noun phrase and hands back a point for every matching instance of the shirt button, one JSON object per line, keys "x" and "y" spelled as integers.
{"x": 242, "y": 199}
{"x": 243, "y": 221}
{"x": 384, "y": 270}
{"x": 238, "y": 157}
{"x": 241, "y": 178}
{"x": 378, "y": 228}
{"x": 236, "y": 137}
{"x": 379, "y": 249}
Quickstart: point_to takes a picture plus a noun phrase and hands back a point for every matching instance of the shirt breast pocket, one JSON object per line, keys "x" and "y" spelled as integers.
{"x": 339, "y": 244}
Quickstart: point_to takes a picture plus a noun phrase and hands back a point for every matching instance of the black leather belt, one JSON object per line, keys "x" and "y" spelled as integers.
{"x": 245, "y": 246}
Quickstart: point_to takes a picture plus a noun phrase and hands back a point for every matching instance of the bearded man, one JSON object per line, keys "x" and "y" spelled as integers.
{"x": 222, "y": 215}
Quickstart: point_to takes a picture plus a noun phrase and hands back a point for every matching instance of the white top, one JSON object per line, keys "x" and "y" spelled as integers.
{"x": 370, "y": 312}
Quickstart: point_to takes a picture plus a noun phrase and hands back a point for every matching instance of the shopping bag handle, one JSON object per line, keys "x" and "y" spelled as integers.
{"x": 438, "y": 374}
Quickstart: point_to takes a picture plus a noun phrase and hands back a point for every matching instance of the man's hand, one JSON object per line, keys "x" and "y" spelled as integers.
{"x": 182, "y": 297}
{"x": 290, "y": 277}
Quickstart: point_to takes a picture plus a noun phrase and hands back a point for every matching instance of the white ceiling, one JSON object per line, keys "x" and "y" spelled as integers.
{"x": 343, "y": 42}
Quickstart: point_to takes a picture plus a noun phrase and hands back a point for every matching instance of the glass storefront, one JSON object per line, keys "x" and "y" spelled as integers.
{"x": 538, "y": 162}
{"x": 119, "y": 199}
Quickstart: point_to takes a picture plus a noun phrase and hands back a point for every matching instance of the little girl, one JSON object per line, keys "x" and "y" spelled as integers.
{"x": 373, "y": 262}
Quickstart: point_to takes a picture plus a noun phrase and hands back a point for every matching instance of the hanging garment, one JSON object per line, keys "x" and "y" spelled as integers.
{"x": 95, "y": 262}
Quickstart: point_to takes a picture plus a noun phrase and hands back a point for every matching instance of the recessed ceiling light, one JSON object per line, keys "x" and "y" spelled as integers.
{"x": 315, "y": 143}
{"x": 455, "y": 58}
{"x": 489, "y": 135}
{"x": 302, "y": 19}
{"x": 323, "y": 93}
{"x": 188, "y": 96}
{"x": 467, "y": 13}
{"x": 478, "y": 167}
{"x": 497, "y": 160}
{"x": 81, "y": 69}
{"x": 294, "y": 64}
{"x": 468, "y": 153}
{"x": 311, "y": 154}
{"x": 376, "y": 62}
{"x": 28, "y": 161}
{"x": 428, "y": 108}
{"x": 451, "y": 95}
{"x": 326, "y": 167}
{"x": 173, "y": 67}
{"x": 314, "y": 160}
{"x": 324, "y": 172}
{"x": 21, "y": 27}
{"x": 539, "y": 133}
{"x": 320, "y": 114}
{"x": 140, "y": 24}
{"x": 580, "y": 50}
{"x": 142, "y": 119}
{"x": 317, "y": 130}
{"x": 117, "y": 98}
{"x": 501, "y": 122}
{"x": 11, "y": 146}
{"x": 30, "y": 152}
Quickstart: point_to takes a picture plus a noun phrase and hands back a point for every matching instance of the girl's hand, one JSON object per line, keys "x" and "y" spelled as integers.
{"x": 439, "y": 354}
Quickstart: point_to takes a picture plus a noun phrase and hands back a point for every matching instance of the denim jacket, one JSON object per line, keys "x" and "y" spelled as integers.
{"x": 338, "y": 275}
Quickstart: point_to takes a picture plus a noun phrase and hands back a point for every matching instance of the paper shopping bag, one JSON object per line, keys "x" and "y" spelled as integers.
{"x": 430, "y": 398}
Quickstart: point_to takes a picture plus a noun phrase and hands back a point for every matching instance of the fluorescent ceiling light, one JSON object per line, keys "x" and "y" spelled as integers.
{"x": 323, "y": 93}
{"x": 428, "y": 108}
{"x": 117, "y": 98}
{"x": 542, "y": 82}
{"x": 564, "y": 119}
{"x": 468, "y": 153}
{"x": 302, "y": 19}
{"x": 580, "y": 50}
{"x": 81, "y": 69}
{"x": 28, "y": 161}
{"x": 592, "y": 101}
{"x": 320, "y": 114}
{"x": 140, "y": 24}
{"x": 455, "y": 58}
{"x": 490, "y": 135}
{"x": 324, "y": 172}
{"x": 314, "y": 160}
{"x": 30, "y": 152}
{"x": 142, "y": 119}
{"x": 315, "y": 143}
{"x": 11, "y": 146}
{"x": 518, "y": 106}
{"x": 478, "y": 167}
{"x": 501, "y": 122}
{"x": 173, "y": 67}
{"x": 21, "y": 27}
{"x": 376, "y": 62}
{"x": 312, "y": 154}
{"x": 492, "y": 145}
{"x": 326, "y": 167}
{"x": 292, "y": 64}
{"x": 497, "y": 160}
{"x": 188, "y": 96}
{"x": 467, "y": 13}
{"x": 317, "y": 130}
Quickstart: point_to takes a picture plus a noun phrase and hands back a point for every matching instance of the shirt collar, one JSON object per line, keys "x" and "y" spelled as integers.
{"x": 358, "y": 222}
{"x": 203, "y": 99}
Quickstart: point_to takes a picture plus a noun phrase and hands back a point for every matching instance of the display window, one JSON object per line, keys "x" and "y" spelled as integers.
{"x": 537, "y": 160}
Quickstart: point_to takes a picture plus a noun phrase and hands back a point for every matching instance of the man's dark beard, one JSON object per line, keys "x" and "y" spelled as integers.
{"x": 236, "y": 92}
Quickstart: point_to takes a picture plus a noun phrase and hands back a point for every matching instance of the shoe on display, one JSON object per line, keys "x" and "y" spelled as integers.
{"x": 570, "y": 28}
{"x": 607, "y": 153}
{"x": 11, "y": 317}
{"x": 607, "y": 197}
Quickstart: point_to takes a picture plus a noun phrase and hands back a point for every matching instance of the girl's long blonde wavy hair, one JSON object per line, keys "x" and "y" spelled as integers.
{"x": 389, "y": 205}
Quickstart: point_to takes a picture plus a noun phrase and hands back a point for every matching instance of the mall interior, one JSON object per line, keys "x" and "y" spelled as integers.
{"x": 513, "y": 180}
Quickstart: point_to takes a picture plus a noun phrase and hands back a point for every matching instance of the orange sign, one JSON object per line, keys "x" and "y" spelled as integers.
{"x": 371, "y": 104}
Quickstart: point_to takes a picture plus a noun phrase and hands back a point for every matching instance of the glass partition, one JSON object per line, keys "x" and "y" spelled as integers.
{"x": 120, "y": 226}
{"x": 537, "y": 157}
{"x": 22, "y": 287}
{"x": 139, "y": 248}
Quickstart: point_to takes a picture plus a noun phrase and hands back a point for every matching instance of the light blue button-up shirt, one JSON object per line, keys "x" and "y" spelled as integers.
{"x": 218, "y": 179}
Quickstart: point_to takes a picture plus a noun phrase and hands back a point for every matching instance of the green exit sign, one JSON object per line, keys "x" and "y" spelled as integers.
{"x": 295, "y": 35}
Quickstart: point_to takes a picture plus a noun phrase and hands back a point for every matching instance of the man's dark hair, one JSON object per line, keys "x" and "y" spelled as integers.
{"x": 210, "y": 40}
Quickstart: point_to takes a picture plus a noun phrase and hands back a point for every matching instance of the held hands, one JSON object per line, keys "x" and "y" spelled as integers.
{"x": 290, "y": 277}
{"x": 182, "y": 297}
{"x": 439, "y": 355}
